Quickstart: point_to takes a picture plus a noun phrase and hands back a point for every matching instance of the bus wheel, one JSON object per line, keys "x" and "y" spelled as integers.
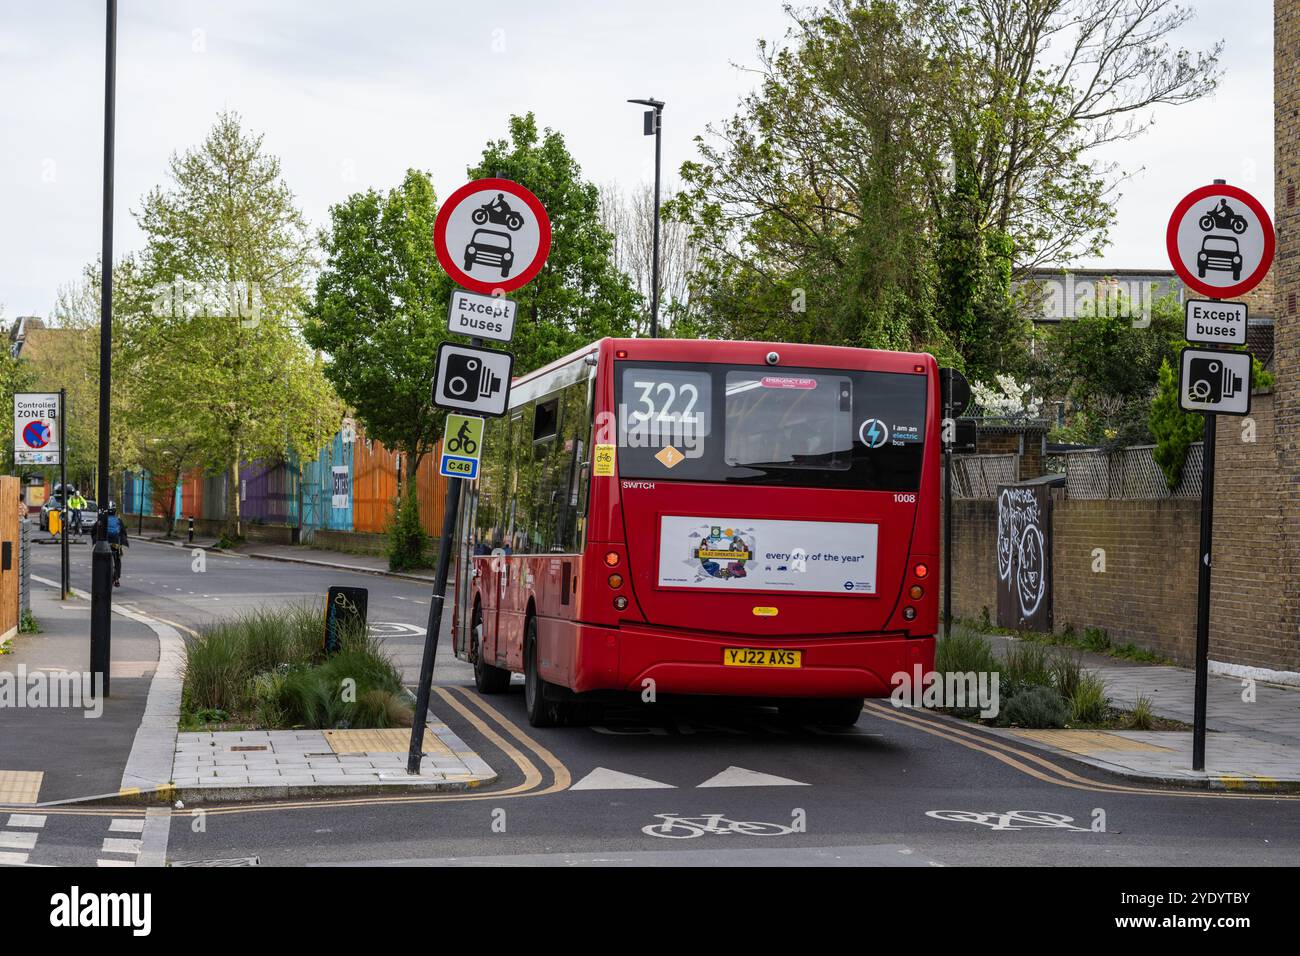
{"x": 541, "y": 712}
{"x": 836, "y": 712}
{"x": 487, "y": 678}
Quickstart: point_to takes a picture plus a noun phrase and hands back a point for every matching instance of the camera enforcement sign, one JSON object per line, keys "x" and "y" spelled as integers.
{"x": 1215, "y": 382}
{"x": 462, "y": 444}
{"x": 471, "y": 379}
{"x": 492, "y": 234}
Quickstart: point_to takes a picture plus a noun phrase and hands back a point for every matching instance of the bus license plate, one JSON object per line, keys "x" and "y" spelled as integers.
{"x": 761, "y": 657}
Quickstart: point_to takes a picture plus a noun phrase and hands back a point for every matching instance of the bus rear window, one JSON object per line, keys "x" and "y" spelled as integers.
{"x": 789, "y": 421}
{"x": 816, "y": 428}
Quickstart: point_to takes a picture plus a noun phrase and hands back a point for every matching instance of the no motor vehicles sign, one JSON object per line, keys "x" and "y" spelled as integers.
{"x": 492, "y": 234}
{"x": 1220, "y": 241}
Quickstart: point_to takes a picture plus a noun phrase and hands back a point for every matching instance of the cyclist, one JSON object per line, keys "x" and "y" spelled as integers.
{"x": 115, "y": 534}
{"x": 462, "y": 441}
{"x": 77, "y": 504}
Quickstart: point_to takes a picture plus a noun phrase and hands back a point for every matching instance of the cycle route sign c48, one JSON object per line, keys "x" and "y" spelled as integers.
{"x": 462, "y": 444}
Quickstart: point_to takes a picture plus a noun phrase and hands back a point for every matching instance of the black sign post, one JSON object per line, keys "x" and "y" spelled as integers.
{"x": 1222, "y": 250}
{"x": 451, "y": 505}
{"x": 954, "y": 394}
{"x": 1203, "y": 594}
{"x": 474, "y": 380}
{"x": 65, "y": 577}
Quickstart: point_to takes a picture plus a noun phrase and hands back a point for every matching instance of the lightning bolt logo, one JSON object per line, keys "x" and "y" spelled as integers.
{"x": 873, "y": 433}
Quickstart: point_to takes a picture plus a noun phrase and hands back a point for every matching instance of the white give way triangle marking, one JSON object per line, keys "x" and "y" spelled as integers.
{"x": 602, "y": 779}
{"x": 740, "y": 777}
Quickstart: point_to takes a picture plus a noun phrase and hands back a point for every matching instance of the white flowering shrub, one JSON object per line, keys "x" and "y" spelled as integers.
{"x": 1007, "y": 399}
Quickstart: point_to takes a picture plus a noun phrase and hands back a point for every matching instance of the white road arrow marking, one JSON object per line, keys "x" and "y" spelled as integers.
{"x": 740, "y": 777}
{"x": 602, "y": 779}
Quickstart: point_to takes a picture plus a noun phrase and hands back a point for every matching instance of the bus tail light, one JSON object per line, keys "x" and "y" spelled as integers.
{"x": 909, "y": 613}
{"x": 616, "y": 580}
{"x": 921, "y": 571}
{"x": 611, "y": 559}
{"x": 916, "y": 591}
{"x": 620, "y": 603}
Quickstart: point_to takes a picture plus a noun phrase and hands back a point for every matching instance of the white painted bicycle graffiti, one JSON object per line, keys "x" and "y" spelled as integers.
{"x": 1022, "y": 549}
{"x": 1009, "y": 819}
{"x": 676, "y": 827}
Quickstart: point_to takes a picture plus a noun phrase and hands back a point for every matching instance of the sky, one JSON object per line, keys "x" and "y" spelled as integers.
{"x": 349, "y": 95}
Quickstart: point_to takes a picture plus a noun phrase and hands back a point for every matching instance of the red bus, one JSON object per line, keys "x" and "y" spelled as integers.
{"x": 750, "y": 519}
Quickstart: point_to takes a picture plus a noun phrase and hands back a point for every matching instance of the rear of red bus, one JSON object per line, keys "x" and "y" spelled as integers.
{"x": 763, "y": 521}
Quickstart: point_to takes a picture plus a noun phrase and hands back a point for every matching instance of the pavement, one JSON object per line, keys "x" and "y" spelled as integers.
{"x": 263, "y": 764}
{"x": 301, "y": 554}
{"x": 93, "y": 743}
{"x": 63, "y": 742}
{"x": 1253, "y": 743}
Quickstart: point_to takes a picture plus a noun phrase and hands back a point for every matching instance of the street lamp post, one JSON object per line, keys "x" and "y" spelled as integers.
{"x": 101, "y": 574}
{"x": 654, "y": 127}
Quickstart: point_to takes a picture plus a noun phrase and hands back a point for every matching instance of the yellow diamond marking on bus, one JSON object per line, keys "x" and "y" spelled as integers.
{"x": 669, "y": 456}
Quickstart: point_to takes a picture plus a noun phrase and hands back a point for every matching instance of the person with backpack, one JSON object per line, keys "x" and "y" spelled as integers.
{"x": 115, "y": 535}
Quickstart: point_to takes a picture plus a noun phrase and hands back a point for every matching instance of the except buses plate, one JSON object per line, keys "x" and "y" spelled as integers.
{"x": 761, "y": 657}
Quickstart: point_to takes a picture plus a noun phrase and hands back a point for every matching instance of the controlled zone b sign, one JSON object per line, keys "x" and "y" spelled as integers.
{"x": 36, "y": 428}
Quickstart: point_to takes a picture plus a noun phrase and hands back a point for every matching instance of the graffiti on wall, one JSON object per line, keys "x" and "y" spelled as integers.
{"x": 1024, "y": 558}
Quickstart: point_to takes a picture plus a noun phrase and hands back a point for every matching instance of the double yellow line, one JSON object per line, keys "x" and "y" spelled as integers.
{"x": 1039, "y": 767}
{"x": 520, "y": 751}
{"x": 510, "y": 739}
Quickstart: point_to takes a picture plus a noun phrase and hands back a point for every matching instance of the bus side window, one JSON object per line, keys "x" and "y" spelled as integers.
{"x": 523, "y": 475}
{"x": 489, "y": 513}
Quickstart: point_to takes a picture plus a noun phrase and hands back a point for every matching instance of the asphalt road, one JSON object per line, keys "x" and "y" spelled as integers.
{"x": 685, "y": 783}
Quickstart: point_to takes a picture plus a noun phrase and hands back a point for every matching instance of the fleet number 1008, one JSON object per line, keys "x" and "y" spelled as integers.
{"x": 904, "y": 499}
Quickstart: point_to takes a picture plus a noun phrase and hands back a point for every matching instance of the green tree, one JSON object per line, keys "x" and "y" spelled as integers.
{"x": 15, "y": 376}
{"x": 900, "y": 156}
{"x": 227, "y": 256}
{"x": 1106, "y": 364}
{"x": 380, "y": 312}
{"x": 1174, "y": 429}
{"x": 579, "y": 296}
{"x": 65, "y": 354}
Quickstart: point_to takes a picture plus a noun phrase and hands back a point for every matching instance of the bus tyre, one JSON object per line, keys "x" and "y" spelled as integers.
{"x": 835, "y": 712}
{"x": 541, "y": 712}
{"x": 488, "y": 679}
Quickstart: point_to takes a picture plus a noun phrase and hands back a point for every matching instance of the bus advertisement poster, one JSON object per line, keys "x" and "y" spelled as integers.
{"x": 756, "y": 555}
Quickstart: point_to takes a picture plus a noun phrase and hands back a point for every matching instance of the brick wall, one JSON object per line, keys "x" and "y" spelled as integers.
{"x": 1254, "y": 565}
{"x": 1147, "y": 593}
{"x": 1000, "y": 441}
{"x": 1286, "y": 277}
